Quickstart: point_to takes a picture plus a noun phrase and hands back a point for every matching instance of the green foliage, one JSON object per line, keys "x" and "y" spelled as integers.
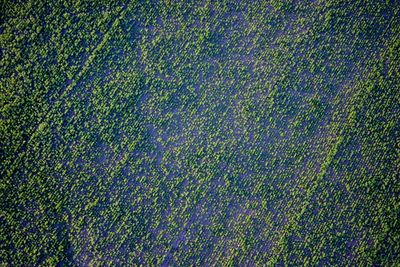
{"x": 199, "y": 133}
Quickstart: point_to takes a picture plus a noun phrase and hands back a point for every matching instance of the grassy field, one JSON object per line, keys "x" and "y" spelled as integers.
{"x": 199, "y": 133}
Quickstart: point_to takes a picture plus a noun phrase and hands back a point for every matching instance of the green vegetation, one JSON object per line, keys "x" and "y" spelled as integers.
{"x": 191, "y": 133}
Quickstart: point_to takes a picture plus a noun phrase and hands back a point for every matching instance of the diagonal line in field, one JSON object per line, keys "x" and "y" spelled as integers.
{"x": 21, "y": 152}
{"x": 291, "y": 225}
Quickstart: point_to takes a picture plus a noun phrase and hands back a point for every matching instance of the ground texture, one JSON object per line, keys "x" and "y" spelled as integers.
{"x": 197, "y": 133}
